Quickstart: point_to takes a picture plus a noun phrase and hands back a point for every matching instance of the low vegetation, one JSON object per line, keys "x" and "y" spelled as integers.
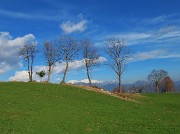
{"x": 36, "y": 108}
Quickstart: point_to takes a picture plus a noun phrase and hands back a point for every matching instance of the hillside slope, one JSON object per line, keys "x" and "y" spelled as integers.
{"x": 34, "y": 108}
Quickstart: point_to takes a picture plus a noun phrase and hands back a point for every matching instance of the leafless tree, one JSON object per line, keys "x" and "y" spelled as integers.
{"x": 90, "y": 55}
{"x": 51, "y": 55}
{"x": 118, "y": 53}
{"x": 28, "y": 53}
{"x": 157, "y": 76}
{"x": 69, "y": 49}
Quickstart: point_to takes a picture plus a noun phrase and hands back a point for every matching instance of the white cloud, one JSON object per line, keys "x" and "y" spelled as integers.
{"x": 70, "y": 27}
{"x": 136, "y": 36}
{"x": 154, "y": 54}
{"x": 84, "y": 81}
{"x": 36, "y": 15}
{"x": 57, "y": 69}
{"x": 57, "y": 80}
{"x": 167, "y": 32}
{"x": 162, "y": 35}
{"x": 9, "y": 58}
{"x": 24, "y": 76}
{"x": 40, "y": 68}
{"x": 74, "y": 66}
{"x": 167, "y": 29}
{"x": 4, "y": 67}
{"x": 20, "y": 76}
{"x": 140, "y": 56}
{"x": 101, "y": 60}
{"x": 159, "y": 19}
{"x": 169, "y": 35}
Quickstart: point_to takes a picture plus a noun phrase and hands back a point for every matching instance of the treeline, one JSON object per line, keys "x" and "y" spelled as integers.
{"x": 67, "y": 49}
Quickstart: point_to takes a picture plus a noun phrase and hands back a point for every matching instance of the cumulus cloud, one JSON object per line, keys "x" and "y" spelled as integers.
{"x": 9, "y": 58}
{"x": 20, "y": 76}
{"x": 57, "y": 69}
{"x": 75, "y": 65}
{"x": 101, "y": 60}
{"x": 70, "y": 27}
{"x": 24, "y": 76}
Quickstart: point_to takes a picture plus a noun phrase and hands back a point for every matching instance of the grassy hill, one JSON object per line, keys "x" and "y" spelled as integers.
{"x": 34, "y": 108}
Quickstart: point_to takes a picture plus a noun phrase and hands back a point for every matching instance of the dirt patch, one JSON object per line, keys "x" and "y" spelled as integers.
{"x": 124, "y": 96}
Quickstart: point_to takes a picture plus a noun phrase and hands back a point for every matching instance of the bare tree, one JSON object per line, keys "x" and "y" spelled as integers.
{"x": 51, "y": 55}
{"x": 90, "y": 56}
{"x": 157, "y": 76}
{"x": 28, "y": 53}
{"x": 118, "y": 53}
{"x": 69, "y": 49}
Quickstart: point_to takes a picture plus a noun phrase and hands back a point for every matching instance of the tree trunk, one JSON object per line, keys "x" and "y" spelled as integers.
{"x": 119, "y": 84}
{"x": 31, "y": 69}
{"x": 31, "y": 72}
{"x": 157, "y": 87}
{"x": 87, "y": 71}
{"x": 65, "y": 71}
{"x": 49, "y": 73}
{"x": 29, "y": 75}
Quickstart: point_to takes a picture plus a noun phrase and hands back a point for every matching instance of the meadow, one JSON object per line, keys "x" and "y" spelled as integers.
{"x": 42, "y": 108}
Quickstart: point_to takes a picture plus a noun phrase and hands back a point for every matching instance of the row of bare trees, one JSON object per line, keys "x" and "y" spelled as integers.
{"x": 67, "y": 49}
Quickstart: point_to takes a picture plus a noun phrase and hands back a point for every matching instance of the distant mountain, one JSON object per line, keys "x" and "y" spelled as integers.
{"x": 177, "y": 86}
{"x": 110, "y": 85}
{"x": 107, "y": 85}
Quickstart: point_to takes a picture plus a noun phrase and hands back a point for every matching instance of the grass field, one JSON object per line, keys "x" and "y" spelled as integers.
{"x": 34, "y": 108}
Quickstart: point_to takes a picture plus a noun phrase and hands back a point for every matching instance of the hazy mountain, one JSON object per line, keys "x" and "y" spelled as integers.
{"x": 177, "y": 86}
{"x": 107, "y": 85}
{"x": 110, "y": 85}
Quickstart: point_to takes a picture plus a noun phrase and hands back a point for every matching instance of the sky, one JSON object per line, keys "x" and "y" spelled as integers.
{"x": 151, "y": 29}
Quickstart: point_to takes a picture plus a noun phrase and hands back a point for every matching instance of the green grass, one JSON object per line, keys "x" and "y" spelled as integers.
{"x": 33, "y": 108}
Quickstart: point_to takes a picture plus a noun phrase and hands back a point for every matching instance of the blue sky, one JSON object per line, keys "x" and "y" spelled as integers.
{"x": 150, "y": 28}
